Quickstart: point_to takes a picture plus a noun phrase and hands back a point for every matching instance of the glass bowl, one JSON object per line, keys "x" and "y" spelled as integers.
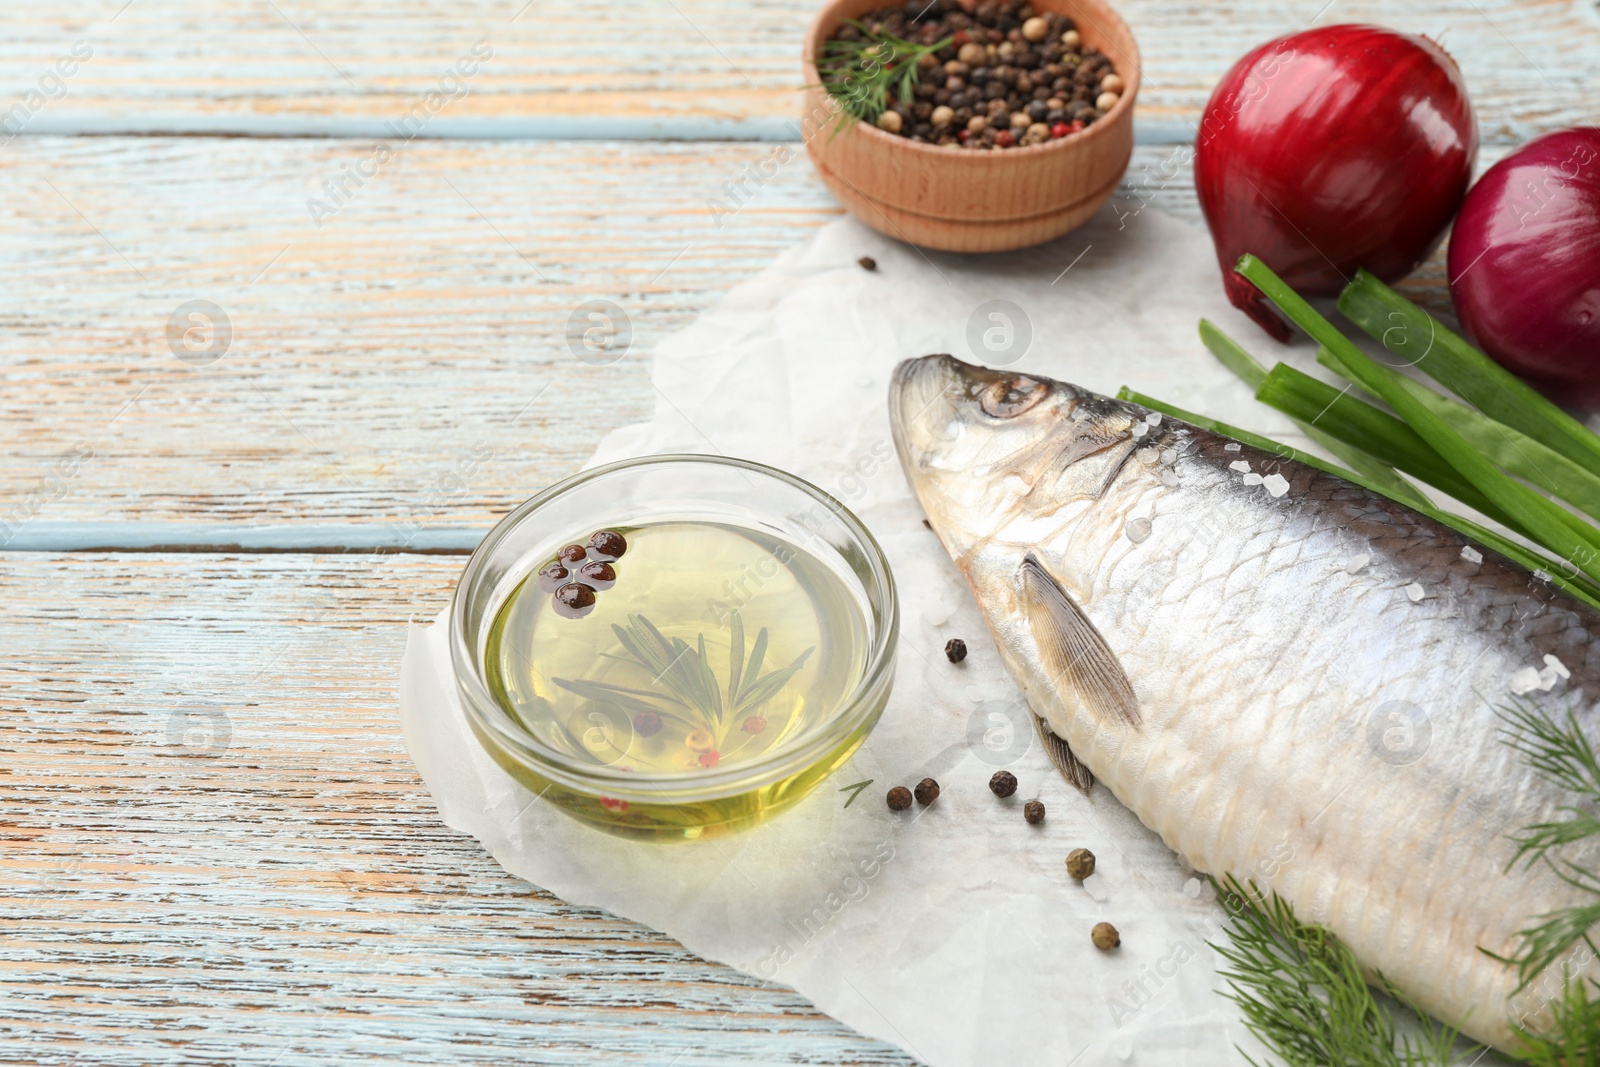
{"x": 699, "y": 801}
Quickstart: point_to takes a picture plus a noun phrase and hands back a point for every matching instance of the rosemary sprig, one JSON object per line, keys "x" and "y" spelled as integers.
{"x": 687, "y": 687}
{"x": 861, "y": 75}
{"x": 1302, "y": 993}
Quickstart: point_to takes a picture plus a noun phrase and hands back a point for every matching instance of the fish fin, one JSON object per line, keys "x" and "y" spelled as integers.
{"x": 1062, "y": 759}
{"x": 1071, "y": 650}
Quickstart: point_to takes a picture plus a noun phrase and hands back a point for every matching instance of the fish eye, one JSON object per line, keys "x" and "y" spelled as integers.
{"x": 1008, "y": 397}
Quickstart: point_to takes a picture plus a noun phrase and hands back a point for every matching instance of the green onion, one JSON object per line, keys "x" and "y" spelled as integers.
{"x": 1453, "y": 363}
{"x": 1376, "y": 471}
{"x": 1351, "y": 419}
{"x": 1546, "y": 522}
{"x": 1511, "y": 449}
{"x": 1254, "y": 440}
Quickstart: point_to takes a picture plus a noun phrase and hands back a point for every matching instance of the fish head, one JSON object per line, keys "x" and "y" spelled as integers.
{"x": 984, "y": 448}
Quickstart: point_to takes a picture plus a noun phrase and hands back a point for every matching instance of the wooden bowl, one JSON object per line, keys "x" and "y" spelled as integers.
{"x": 961, "y": 200}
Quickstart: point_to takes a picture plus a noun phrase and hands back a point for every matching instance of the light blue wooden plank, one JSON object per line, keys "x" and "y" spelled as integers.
{"x": 476, "y": 128}
{"x": 201, "y": 536}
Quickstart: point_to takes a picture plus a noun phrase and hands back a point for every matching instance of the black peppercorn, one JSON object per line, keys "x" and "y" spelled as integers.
{"x": 1033, "y": 811}
{"x": 598, "y": 575}
{"x": 867, "y": 263}
{"x": 573, "y": 554}
{"x": 608, "y": 544}
{"x": 927, "y": 791}
{"x": 899, "y": 798}
{"x": 552, "y": 577}
{"x": 1105, "y": 937}
{"x": 647, "y": 724}
{"x": 1003, "y": 783}
{"x": 955, "y": 650}
{"x": 574, "y": 601}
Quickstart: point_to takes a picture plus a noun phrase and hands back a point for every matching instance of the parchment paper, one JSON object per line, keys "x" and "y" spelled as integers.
{"x": 951, "y": 931}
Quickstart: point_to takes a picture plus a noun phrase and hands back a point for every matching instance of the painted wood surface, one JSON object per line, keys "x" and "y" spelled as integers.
{"x": 217, "y": 850}
{"x": 405, "y": 365}
{"x": 559, "y": 66}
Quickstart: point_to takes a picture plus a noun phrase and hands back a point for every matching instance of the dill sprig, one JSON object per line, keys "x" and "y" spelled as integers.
{"x": 1572, "y": 1037}
{"x": 1303, "y": 995}
{"x": 1560, "y": 752}
{"x": 860, "y": 75}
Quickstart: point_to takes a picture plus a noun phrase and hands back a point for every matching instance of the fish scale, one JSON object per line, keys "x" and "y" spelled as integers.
{"x": 1262, "y": 667}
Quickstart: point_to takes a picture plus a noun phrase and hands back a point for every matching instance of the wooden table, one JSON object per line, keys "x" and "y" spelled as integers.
{"x": 216, "y": 848}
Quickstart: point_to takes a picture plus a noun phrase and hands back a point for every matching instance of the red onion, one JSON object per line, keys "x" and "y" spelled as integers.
{"x": 1336, "y": 148}
{"x": 1525, "y": 264}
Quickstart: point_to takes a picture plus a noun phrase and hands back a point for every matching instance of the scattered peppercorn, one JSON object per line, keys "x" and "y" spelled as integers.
{"x": 598, "y": 575}
{"x": 1033, "y": 811}
{"x": 647, "y": 724}
{"x": 899, "y": 798}
{"x": 1002, "y": 783}
{"x": 573, "y": 554}
{"x": 955, "y": 650}
{"x": 927, "y": 791}
{"x": 1080, "y": 864}
{"x": 700, "y": 741}
{"x": 552, "y": 577}
{"x": 709, "y": 759}
{"x": 868, "y": 263}
{"x": 1105, "y": 937}
{"x": 926, "y": 525}
{"x": 608, "y": 544}
{"x": 754, "y": 724}
{"x": 1003, "y": 56}
{"x": 573, "y": 601}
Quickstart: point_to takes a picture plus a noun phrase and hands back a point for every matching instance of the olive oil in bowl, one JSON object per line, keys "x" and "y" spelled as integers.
{"x": 713, "y": 647}
{"x": 682, "y": 676}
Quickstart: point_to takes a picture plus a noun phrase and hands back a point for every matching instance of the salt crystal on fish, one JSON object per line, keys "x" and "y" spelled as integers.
{"x": 1140, "y": 429}
{"x": 1524, "y": 681}
{"x": 1147, "y": 456}
{"x": 1239, "y": 465}
{"x": 1169, "y": 457}
{"x": 1276, "y": 484}
{"x": 1169, "y": 479}
{"x": 1416, "y": 592}
{"x": 1136, "y": 530}
{"x": 1232, "y": 446}
{"x": 1154, "y": 418}
{"x": 1253, "y": 479}
{"x": 1357, "y": 563}
{"x": 1470, "y": 554}
{"x": 1554, "y": 671}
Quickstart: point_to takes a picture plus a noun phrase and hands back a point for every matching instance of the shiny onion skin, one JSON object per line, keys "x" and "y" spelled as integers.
{"x": 1337, "y": 148}
{"x": 1525, "y": 264}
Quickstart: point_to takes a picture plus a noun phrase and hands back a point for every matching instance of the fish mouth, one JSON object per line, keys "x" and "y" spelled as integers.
{"x": 919, "y": 385}
{"x": 922, "y": 397}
